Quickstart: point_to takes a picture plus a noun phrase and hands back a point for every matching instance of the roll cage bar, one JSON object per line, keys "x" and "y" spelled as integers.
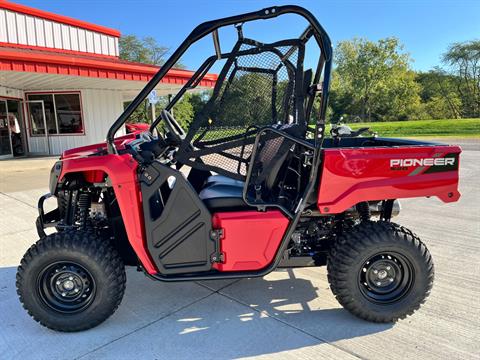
{"x": 314, "y": 29}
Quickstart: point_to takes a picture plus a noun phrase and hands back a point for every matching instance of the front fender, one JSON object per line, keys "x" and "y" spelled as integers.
{"x": 122, "y": 174}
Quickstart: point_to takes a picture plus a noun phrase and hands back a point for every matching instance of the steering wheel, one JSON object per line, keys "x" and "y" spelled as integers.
{"x": 176, "y": 132}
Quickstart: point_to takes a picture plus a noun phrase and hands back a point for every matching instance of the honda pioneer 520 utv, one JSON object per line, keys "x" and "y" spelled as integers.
{"x": 264, "y": 189}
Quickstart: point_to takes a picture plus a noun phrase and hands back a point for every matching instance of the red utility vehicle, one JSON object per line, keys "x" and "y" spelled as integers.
{"x": 264, "y": 190}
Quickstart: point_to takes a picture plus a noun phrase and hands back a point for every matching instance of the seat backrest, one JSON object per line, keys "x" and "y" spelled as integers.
{"x": 273, "y": 155}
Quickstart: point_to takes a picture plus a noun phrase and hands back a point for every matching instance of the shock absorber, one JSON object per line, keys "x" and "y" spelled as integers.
{"x": 83, "y": 209}
{"x": 363, "y": 210}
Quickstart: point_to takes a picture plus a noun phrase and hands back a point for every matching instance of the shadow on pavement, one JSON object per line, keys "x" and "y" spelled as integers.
{"x": 188, "y": 319}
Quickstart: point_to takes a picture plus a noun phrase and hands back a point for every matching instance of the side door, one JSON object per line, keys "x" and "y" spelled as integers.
{"x": 177, "y": 224}
{"x": 5, "y": 136}
{"x": 37, "y": 133}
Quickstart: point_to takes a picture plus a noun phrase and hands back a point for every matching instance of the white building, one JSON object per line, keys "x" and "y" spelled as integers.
{"x": 62, "y": 83}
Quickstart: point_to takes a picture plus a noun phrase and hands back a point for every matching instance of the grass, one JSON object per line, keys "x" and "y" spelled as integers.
{"x": 425, "y": 128}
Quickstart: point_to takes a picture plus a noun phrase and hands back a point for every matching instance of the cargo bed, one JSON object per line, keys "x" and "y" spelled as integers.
{"x": 362, "y": 169}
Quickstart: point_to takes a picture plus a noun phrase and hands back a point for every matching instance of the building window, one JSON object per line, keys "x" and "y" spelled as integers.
{"x": 63, "y": 113}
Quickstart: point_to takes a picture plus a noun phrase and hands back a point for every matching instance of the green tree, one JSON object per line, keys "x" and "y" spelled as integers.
{"x": 248, "y": 101}
{"x": 183, "y": 111}
{"x": 145, "y": 50}
{"x": 188, "y": 106}
{"x": 463, "y": 61}
{"x": 438, "y": 95}
{"x": 141, "y": 114}
{"x": 373, "y": 81}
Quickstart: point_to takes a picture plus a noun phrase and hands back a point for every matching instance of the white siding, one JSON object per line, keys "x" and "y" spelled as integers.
{"x": 65, "y": 31}
{"x": 48, "y": 33}
{"x": 57, "y": 35}
{"x": 104, "y": 40}
{"x": 74, "y": 38}
{"x": 117, "y": 51}
{"x": 31, "y": 36}
{"x": 100, "y": 109}
{"x": 97, "y": 43}
{"x": 11, "y": 28}
{"x": 18, "y": 28}
{"x": 90, "y": 45}
{"x": 82, "y": 41}
{"x": 40, "y": 32}
{"x": 21, "y": 29}
{"x": 3, "y": 26}
{"x": 111, "y": 45}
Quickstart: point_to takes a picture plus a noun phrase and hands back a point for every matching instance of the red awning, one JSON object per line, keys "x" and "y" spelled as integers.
{"x": 38, "y": 61}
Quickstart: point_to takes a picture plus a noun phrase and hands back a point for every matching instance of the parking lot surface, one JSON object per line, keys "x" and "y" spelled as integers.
{"x": 287, "y": 314}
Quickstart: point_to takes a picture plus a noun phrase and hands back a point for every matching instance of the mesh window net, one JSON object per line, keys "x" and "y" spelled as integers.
{"x": 259, "y": 85}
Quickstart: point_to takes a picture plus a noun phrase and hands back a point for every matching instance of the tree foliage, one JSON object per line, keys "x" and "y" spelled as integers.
{"x": 463, "y": 61}
{"x": 145, "y": 50}
{"x": 438, "y": 95}
{"x": 247, "y": 101}
{"x": 373, "y": 81}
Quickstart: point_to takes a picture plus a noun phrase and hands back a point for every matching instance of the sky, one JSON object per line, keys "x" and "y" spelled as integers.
{"x": 425, "y": 27}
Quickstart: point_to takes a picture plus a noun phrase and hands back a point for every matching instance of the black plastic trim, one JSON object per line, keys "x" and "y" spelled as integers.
{"x": 177, "y": 222}
{"x": 45, "y": 220}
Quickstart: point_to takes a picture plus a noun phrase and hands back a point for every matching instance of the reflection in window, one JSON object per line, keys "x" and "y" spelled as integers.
{"x": 36, "y": 115}
{"x": 69, "y": 115}
{"x": 63, "y": 114}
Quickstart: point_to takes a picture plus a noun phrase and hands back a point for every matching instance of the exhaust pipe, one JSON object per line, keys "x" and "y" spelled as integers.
{"x": 375, "y": 208}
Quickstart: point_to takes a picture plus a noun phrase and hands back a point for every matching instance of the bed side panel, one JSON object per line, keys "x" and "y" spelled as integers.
{"x": 350, "y": 176}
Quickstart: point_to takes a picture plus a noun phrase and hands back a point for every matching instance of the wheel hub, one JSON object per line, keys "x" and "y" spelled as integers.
{"x": 66, "y": 287}
{"x": 385, "y": 277}
{"x": 382, "y": 274}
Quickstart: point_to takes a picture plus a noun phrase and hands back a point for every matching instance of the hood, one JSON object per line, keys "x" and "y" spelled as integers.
{"x": 98, "y": 149}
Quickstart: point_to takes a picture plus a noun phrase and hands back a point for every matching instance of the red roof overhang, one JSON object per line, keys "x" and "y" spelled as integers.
{"x": 26, "y": 60}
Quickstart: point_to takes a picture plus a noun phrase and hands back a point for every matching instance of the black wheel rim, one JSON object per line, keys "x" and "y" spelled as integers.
{"x": 66, "y": 287}
{"x": 386, "y": 277}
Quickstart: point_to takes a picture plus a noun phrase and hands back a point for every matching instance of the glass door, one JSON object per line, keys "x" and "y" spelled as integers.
{"x": 37, "y": 123}
{"x": 5, "y": 144}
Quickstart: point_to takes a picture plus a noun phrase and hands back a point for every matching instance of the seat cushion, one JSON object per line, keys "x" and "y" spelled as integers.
{"x": 223, "y": 197}
{"x": 223, "y": 180}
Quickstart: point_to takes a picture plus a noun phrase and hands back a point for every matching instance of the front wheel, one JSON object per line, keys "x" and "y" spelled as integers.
{"x": 380, "y": 271}
{"x": 71, "y": 281}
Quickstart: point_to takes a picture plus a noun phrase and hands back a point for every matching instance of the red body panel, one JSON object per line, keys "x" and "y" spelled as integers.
{"x": 251, "y": 238}
{"x": 137, "y": 127}
{"x": 95, "y": 148}
{"x": 122, "y": 171}
{"x": 350, "y": 176}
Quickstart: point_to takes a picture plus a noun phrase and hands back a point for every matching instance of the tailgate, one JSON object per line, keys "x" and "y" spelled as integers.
{"x": 353, "y": 175}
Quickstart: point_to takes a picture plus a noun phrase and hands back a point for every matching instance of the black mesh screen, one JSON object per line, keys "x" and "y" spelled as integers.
{"x": 280, "y": 168}
{"x": 260, "y": 85}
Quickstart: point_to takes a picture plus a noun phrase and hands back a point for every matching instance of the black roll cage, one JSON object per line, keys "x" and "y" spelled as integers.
{"x": 314, "y": 29}
{"x": 323, "y": 68}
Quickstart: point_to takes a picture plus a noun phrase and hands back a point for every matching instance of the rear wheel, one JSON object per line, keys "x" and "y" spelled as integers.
{"x": 71, "y": 281}
{"x": 380, "y": 271}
